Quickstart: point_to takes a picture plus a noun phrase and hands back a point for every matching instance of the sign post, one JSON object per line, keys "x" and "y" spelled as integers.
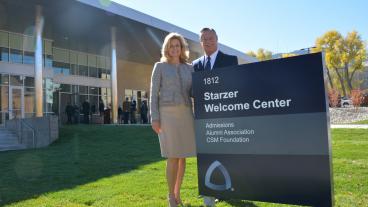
{"x": 262, "y": 132}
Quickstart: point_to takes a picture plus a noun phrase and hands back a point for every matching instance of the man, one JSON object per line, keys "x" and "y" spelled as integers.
{"x": 212, "y": 59}
{"x": 126, "y": 107}
{"x": 133, "y": 109}
{"x": 86, "y": 111}
{"x": 144, "y": 111}
{"x": 69, "y": 112}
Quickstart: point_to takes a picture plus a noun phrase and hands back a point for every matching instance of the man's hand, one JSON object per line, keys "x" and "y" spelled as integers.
{"x": 156, "y": 126}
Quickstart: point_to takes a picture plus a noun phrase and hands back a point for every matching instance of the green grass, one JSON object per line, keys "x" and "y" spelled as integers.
{"x": 361, "y": 122}
{"x": 121, "y": 166}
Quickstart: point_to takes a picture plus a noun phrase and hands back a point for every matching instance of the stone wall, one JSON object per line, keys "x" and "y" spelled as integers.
{"x": 45, "y": 130}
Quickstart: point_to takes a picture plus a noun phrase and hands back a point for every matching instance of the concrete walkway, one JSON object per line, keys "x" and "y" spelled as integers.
{"x": 349, "y": 126}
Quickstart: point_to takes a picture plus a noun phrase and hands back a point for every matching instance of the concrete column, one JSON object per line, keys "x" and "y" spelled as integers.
{"x": 38, "y": 61}
{"x": 114, "y": 81}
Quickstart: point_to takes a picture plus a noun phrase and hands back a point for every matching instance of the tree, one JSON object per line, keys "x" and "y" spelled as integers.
{"x": 343, "y": 57}
{"x": 252, "y": 54}
{"x": 261, "y": 54}
{"x": 285, "y": 55}
{"x": 353, "y": 57}
{"x": 332, "y": 43}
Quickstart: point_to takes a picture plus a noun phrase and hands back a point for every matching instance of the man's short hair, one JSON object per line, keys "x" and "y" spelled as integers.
{"x": 207, "y": 29}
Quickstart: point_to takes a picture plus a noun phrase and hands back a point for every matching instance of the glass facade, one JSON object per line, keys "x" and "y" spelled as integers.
{"x": 75, "y": 95}
{"x": 4, "y": 54}
{"x": 16, "y": 56}
{"x": 17, "y": 48}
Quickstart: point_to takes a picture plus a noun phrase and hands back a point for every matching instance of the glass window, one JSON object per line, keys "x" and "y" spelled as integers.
{"x": 108, "y": 74}
{"x": 47, "y": 83}
{"x": 82, "y": 98}
{"x": 29, "y": 82}
{"x": 66, "y": 71}
{"x": 108, "y": 100}
{"x": 83, "y": 70}
{"x": 83, "y": 89}
{"x": 4, "y": 54}
{"x": 74, "y": 89}
{"x": 48, "y": 61}
{"x": 92, "y": 72}
{"x": 61, "y": 68}
{"x": 4, "y": 80}
{"x": 65, "y": 88}
{"x": 48, "y": 100}
{"x": 57, "y": 71}
{"x": 55, "y": 102}
{"x": 28, "y": 58}
{"x": 74, "y": 69}
{"x": 16, "y": 56}
{"x": 128, "y": 94}
{"x": 104, "y": 100}
{"x": 4, "y": 96}
{"x": 93, "y": 100}
{"x": 93, "y": 90}
{"x": 103, "y": 91}
{"x": 57, "y": 68}
{"x": 75, "y": 100}
{"x": 16, "y": 80}
{"x": 29, "y": 100}
{"x": 100, "y": 71}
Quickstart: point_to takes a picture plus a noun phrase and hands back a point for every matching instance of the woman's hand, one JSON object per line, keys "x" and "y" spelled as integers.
{"x": 156, "y": 126}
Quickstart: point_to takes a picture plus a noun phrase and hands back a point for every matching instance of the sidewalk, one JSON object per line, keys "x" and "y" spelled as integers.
{"x": 350, "y": 126}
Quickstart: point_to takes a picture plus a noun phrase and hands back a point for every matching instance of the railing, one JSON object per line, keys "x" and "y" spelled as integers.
{"x": 24, "y": 123}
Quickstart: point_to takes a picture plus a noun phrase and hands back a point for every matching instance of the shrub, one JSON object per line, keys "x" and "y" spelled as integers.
{"x": 356, "y": 97}
{"x": 333, "y": 97}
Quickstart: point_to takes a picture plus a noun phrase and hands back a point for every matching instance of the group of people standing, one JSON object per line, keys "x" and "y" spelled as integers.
{"x": 126, "y": 115}
{"x": 128, "y": 112}
{"x": 171, "y": 103}
{"x": 73, "y": 113}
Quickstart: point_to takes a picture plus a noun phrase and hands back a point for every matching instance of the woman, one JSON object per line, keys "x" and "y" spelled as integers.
{"x": 171, "y": 111}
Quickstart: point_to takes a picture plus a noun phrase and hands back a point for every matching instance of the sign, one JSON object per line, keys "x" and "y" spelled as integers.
{"x": 262, "y": 132}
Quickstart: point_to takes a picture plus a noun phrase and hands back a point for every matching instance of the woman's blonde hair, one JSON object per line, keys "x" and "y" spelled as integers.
{"x": 184, "y": 54}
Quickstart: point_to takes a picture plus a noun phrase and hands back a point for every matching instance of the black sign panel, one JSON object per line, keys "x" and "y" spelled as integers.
{"x": 262, "y": 132}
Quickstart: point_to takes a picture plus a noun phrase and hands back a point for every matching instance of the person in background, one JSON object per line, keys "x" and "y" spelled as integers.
{"x": 86, "y": 111}
{"x": 76, "y": 114}
{"x": 133, "y": 109}
{"x": 120, "y": 115}
{"x": 126, "y": 107}
{"x": 144, "y": 111}
{"x": 69, "y": 112}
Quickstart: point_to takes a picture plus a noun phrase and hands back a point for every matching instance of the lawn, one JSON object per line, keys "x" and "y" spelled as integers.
{"x": 121, "y": 166}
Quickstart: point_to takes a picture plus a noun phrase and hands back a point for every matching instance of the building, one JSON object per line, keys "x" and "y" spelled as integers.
{"x": 362, "y": 77}
{"x": 57, "y": 52}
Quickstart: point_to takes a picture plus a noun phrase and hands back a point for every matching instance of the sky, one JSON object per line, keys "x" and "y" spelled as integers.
{"x": 279, "y": 26}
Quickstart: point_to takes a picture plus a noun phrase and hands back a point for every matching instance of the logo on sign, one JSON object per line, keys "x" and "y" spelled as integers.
{"x": 224, "y": 172}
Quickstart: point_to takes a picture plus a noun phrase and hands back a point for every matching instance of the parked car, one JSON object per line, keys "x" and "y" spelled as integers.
{"x": 346, "y": 102}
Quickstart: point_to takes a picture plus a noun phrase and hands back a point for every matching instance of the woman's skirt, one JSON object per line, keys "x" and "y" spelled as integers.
{"x": 177, "y": 132}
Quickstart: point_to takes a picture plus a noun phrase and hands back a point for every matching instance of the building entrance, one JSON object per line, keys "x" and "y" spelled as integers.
{"x": 16, "y": 102}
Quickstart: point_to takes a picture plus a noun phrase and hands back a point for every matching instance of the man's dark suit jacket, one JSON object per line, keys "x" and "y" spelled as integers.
{"x": 222, "y": 60}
